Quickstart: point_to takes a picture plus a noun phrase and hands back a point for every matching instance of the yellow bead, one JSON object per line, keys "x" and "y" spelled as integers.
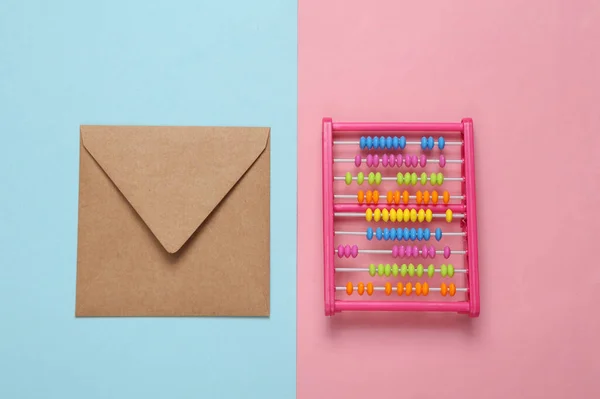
{"x": 393, "y": 215}
{"x": 406, "y": 215}
{"x": 413, "y": 215}
{"x": 448, "y": 215}
{"x": 385, "y": 215}
{"x": 369, "y": 214}
{"x": 377, "y": 215}
{"x": 428, "y": 215}
{"x": 421, "y": 215}
{"x": 349, "y": 288}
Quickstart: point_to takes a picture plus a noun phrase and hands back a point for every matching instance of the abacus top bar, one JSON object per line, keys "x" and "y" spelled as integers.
{"x": 396, "y": 127}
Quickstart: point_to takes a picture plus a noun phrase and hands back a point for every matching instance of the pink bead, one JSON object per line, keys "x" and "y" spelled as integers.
{"x": 431, "y": 252}
{"x": 369, "y": 160}
{"x": 424, "y": 251}
{"x": 347, "y": 251}
{"x": 391, "y": 160}
{"x": 401, "y": 251}
{"x": 446, "y": 252}
{"x": 442, "y": 161}
{"x": 340, "y": 251}
{"x": 423, "y": 160}
{"x": 415, "y": 251}
{"x": 375, "y": 160}
{"x": 407, "y": 160}
{"x": 399, "y": 159}
{"x": 415, "y": 160}
{"x": 384, "y": 160}
{"x": 395, "y": 251}
{"x": 354, "y": 251}
{"x": 357, "y": 160}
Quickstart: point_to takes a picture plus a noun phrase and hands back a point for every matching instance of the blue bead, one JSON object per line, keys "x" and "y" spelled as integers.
{"x": 388, "y": 142}
{"x": 378, "y": 233}
{"x": 402, "y": 142}
{"x": 382, "y": 143}
{"x": 392, "y": 234}
{"x": 426, "y": 234}
{"x": 363, "y": 143}
{"x": 423, "y": 143}
{"x": 430, "y": 143}
{"x": 413, "y": 234}
{"x": 395, "y": 142}
{"x": 441, "y": 143}
{"x": 438, "y": 234}
{"x": 399, "y": 233}
{"x": 369, "y": 233}
{"x": 369, "y": 142}
{"x": 420, "y": 234}
{"x": 376, "y": 142}
{"x": 386, "y": 234}
{"x": 406, "y": 233}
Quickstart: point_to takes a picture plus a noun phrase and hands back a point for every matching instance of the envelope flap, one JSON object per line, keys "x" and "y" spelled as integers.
{"x": 174, "y": 177}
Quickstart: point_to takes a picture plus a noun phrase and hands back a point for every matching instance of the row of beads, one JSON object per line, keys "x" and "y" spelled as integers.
{"x": 419, "y": 289}
{"x": 406, "y": 215}
{"x": 410, "y": 269}
{"x": 406, "y": 178}
{"x": 396, "y": 160}
{"x": 400, "y": 234}
{"x": 398, "y": 251}
{"x": 395, "y": 197}
{"x": 427, "y": 143}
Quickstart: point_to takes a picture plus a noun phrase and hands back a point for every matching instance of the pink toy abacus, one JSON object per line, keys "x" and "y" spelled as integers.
{"x": 390, "y": 242}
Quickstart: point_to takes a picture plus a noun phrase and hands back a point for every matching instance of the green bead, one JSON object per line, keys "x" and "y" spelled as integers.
{"x": 399, "y": 178}
{"x": 430, "y": 270}
{"x": 433, "y": 179}
{"x": 419, "y": 270}
{"x": 380, "y": 270}
{"x": 443, "y": 270}
{"x": 371, "y": 178}
{"x": 440, "y": 179}
{"x": 411, "y": 269}
{"x": 403, "y": 270}
{"x": 360, "y": 178}
{"x": 395, "y": 270}
{"x": 450, "y": 270}
{"x": 413, "y": 178}
{"x": 372, "y": 270}
{"x": 407, "y": 178}
{"x": 423, "y": 178}
{"x": 378, "y": 178}
{"x": 348, "y": 178}
{"x": 388, "y": 270}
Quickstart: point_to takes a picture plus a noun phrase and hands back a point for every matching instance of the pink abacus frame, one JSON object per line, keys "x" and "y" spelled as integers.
{"x": 464, "y": 129}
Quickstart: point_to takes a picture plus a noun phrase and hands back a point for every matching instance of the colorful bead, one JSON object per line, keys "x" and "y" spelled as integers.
{"x": 440, "y": 178}
{"x": 347, "y": 250}
{"x": 399, "y": 178}
{"x": 438, "y": 234}
{"x": 348, "y": 178}
{"x": 382, "y": 142}
{"x": 386, "y": 231}
{"x": 340, "y": 251}
{"x": 392, "y": 215}
{"x": 361, "y": 288}
{"x": 418, "y": 289}
{"x": 399, "y": 159}
{"x": 419, "y": 196}
{"x": 424, "y": 252}
{"x": 406, "y": 214}
{"x": 378, "y": 233}
{"x": 369, "y": 214}
{"x": 407, "y": 178}
{"x": 363, "y": 143}
{"x": 452, "y": 289}
{"x": 443, "y": 270}
{"x": 444, "y": 289}
{"x": 354, "y": 251}
{"x": 434, "y": 197}
{"x": 369, "y": 142}
{"x": 369, "y": 233}
{"x": 433, "y": 179}
{"x": 377, "y": 214}
{"x": 415, "y": 251}
{"x": 425, "y": 288}
{"x": 402, "y": 142}
{"x": 450, "y": 270}
{"x": 446, "y": 197}
{"x": 388, "y": 288}
{"x": 423, "y": 143}
{"x": 448, "y": 215}
{"x": 406, "y": 233}
{"x": 413, "y": 215}
{"x": 420, "y": 234}
{"x": 380, "y": 270}
{"x": 426, "y": 197}
{"x": 360, "y": 197}
{"x": 370, "y": 160}
{"x": 441, "y": 143}
{"x": 411, "y": 270}
{"x": 376, "y": 142}
{"x": 360, "y": 178}
{"x": 378, "y": 178}
{"x": 446, "y": 252}
{"x": 421, "y": 215}
{"x": 408, "y": 288}
{"x": 391, "y": 160}
{"x": 384, "y": 160}
{"x": 415, "y": 160}
{"x": 395, "y": 142}
{"x": 394, "y": 270}
{"x": 442, "y": 161}
{"x": 370, "y": 289}
{"x": 349, "y": 288}
{"x": 426, "y": 232}
{"x": 428, "y": 216}
{"x": 430, "y": 270}
{"x": 387, "y": 270}
{"x": 371, "y": 178}
{"x": 372, "y": 270}
{"x": 389, "y": 198}
{"x": 369, "y": 196}
{"x": 423, "y": 178}
{"x": 430, "y": 143}
{"x": 395, "y": 251}
{"x": 399, "y": 289}
{"x": 392, "y": 230}
{"x": 388, "y": 142}
{"x": 397, "y": 196}
{"x": 413, "y": 178}
{"x": 402, "y": 251}
{"x": 403, "y": 270}
{"x": 413, "y": 234}
{"x": 375, "y": 196}
{"x": 405, "y": 197}
{"x": 419, "y": 270}
{"x": 423, "y": 160}
{"x": 432, "y": 252}
{"x": 357, "y": 160}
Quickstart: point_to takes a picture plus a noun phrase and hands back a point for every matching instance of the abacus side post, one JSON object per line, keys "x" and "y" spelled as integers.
{"x": 472, "y": 255}
{"x": 328, "y": 255}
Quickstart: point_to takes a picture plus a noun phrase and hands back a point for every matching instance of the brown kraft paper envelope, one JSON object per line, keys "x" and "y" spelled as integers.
{"x": 173, "y": 221}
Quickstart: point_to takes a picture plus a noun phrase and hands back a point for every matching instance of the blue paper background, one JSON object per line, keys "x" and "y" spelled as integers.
{"x": 66, "y": 63}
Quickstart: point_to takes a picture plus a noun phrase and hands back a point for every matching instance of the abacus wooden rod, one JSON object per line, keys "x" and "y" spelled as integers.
{"x": 353, "y": 196}
{"x": 344, "y": 142}
{"x": 362, "y": 214}
{"x": 366, "y": 269}
{"x": 390, "y": 178}
{"x": 420, "y": 252}
{"x": 394, "y": 289}
{"x": 362, "y": 233}
{"x": 456, "y": 209}
{"x": 353, "y": 160}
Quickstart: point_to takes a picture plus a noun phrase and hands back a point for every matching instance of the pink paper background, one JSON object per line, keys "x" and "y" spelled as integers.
{"x": 528, "y": 73}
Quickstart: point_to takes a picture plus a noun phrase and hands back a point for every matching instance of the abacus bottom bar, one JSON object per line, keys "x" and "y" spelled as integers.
{"x": 406, "y": 306}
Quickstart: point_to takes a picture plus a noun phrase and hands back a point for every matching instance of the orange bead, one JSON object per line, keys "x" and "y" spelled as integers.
{"x": 446, "y": 197}
{"x": 418, "y": 289}
{"x": 388, "y": 288}
{"x": 408, "y": 289}
{"x": 361, "y": 196}
{"x": 390, "y": 197}
{"x": 425, "y": 288}
{"x": 452, "y": 289}
{"x": 361, "y": 288}
{"x": 426, "y": 197}
{"x": 444, "y": 289}
{"x": 369, "y": 196}
{"x": 370, "y": 288}
{"x": 405, "y": 197}
{"x": 399, "y": 289}
{"x": 419, "y": 197}
{"x": 434, "y": 197}
{"x": 375, "y": 196}
{"x": 396, "y": 197}
{"x": 349, "y": 288}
